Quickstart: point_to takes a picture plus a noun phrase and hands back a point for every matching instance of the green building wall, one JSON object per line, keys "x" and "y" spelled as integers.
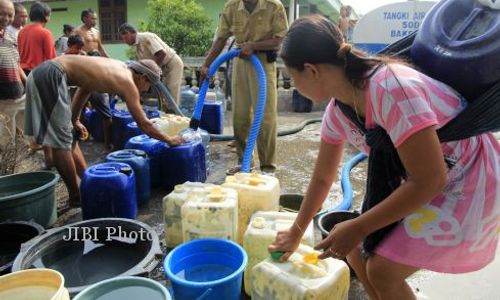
{"x": 136, "y": 11}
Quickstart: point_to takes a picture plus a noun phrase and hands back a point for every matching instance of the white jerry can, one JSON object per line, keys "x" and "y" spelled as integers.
{"x": 255, "y": 192}
{"x": 302, "y": 277}
{"x": 261, "y": 232}
{"x": 172, "y": 204}
{"x": 213, "y": 214}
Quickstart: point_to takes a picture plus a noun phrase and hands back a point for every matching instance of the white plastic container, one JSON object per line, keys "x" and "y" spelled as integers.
{"x": 255, "y": 192}
{"x": 33, "y": 284}
{"x": 171, "y": 124}
{"x": 261, "y": 232}
{"x": 213, "y": 213}
{"x": 297, "y": 279}
{"x": 172, "y": 204}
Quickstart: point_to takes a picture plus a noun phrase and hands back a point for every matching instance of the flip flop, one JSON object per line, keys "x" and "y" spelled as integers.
{"x": 236, "y": 169}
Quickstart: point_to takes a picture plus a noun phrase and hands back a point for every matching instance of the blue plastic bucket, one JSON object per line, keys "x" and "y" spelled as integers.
{"x": 206, "y": 269}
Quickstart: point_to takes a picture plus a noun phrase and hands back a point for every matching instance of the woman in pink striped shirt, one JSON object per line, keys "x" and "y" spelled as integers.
{"x": 448, "y": 213}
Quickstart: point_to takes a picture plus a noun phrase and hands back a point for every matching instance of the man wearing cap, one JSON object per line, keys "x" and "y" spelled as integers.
{"x": 53, "y": 119}
{"x": 149, "y": 46}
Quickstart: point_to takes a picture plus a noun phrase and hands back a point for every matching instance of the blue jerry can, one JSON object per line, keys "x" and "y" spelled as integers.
{"x": 183, "y": 163}
{"x": 459, "y": 43}
{"x": 139, "y": 162}
{"x": 154, "y": 149}
{"x": 121, "y": 118}
{"x": 107, "y": 190}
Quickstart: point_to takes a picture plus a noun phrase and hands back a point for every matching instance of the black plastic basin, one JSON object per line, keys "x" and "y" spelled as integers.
{"x": 94, "y": 250}
{"x": 327, "y": 220}
{"x": 12, "y": 236}
{"x": 291, "y": 202}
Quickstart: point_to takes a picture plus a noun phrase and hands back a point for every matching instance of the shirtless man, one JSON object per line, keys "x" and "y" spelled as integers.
{"x": 53, "y": 119}
{"x": 91, "y": 36}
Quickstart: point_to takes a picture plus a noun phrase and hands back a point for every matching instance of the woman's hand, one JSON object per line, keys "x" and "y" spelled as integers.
{"x": 343, "y": 238}
{"x": 286, "y": 241}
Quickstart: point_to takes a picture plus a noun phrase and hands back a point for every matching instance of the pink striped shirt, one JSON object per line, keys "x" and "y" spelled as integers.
{"x": 458, "y": 230}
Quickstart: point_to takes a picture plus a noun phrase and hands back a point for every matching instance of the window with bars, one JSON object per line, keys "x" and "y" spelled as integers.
{"x": 112, "y": 13}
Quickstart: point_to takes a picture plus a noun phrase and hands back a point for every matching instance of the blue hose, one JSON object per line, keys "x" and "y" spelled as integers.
{"x": 259, "y": 111}
{"x": 345, "y": 183}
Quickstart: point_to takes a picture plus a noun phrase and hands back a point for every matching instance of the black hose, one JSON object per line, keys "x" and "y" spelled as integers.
{"x": 222, "y": 137}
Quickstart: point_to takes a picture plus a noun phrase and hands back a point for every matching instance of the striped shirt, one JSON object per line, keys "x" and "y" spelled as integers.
{"x": 11, "y": 86}
{"x": 458, "y": 230}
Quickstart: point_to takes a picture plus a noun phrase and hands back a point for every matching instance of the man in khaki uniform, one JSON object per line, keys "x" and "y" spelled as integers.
{"x": 258, "y": 27}
{"x": 149, "y": 46}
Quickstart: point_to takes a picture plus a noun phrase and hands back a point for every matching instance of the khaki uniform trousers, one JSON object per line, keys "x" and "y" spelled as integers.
{"x": 173, "y": 76}
{"x": 244, "y": 97}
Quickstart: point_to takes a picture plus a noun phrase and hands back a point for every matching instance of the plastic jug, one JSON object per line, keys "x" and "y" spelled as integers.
{"x": 255, "y": 192}
{"x": 120, "y": 120}
{"x": 171, "y": 124}
{"x": 185, "y": 162}
{"x": 132, "y": 130}
{"x": 139, "y": 162}
{"x": 458, "y": 43}
{"x": 86, "y": 117}
{"x": 212, "y": 117}
{"x": 199, "y": 135}
{"x": 154, "y": 149}
{"x": 219, "y": 94}
{"x": 172, "y": 204}
{"x": 261, "y": 232}
{"x": 151, "y": 113}
{"x": 150, "y": 106}
{"x": 212, "y": 212}
{"x": 300, "y": 279}
{"x": 95, "y": 125}
{"x": 108, "y": 190}
{"x": 188, "y": 100}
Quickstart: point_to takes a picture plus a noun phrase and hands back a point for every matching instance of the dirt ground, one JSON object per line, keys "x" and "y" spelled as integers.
{"x": 296, "y": 156}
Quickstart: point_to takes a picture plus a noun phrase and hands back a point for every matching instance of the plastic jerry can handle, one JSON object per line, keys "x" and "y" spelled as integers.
{"x": 126, "y": 170}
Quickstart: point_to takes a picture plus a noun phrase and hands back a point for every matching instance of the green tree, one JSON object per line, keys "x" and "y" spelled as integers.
{"x": 182, "y": 24}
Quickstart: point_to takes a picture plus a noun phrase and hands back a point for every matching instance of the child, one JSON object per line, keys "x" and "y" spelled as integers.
{"x": 61, "y": 43}
{"x": 445, "y": 216}
{"x": 74, "y": 45}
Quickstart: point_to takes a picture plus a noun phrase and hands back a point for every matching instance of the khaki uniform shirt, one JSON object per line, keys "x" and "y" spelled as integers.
{"x": 147, "y": 44}
{"x": 268, "y": 20}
